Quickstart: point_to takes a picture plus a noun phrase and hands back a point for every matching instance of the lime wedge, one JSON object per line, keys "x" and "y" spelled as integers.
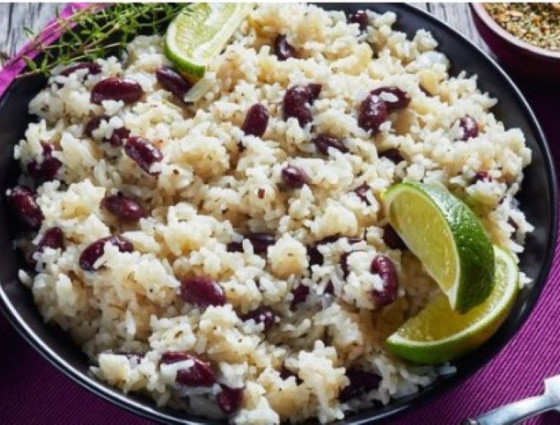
{"x": 438, "y": 334}
{"x": 447, "y": 238}
{"x": 200, "y": 31}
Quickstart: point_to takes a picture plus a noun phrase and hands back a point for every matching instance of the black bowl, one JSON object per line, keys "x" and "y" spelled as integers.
{"x": 538, "y": 198}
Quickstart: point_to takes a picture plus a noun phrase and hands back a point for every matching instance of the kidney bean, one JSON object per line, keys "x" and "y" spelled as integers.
{"x": 315, "y": 257}
{"x": 300, "y": 294}
{"x": 392, "y": 155}
{"x": 296, "y": 105}
{"x": 170, "y": 357}
{"x": 42, "y": 173}
{"x": 482, "y": 176}
{"x": 35, "y": 171}
{"x": 264, "y": 315}
{"x": 361, "y": 382}
{"x": 336, "y": 237}
{"x": 394, "y": 97}
{"x": 286, "y": 374}
{"x": 313, "y": 92}
{"x": 328, "y": 239}
{"x": 118, "y": 136}
{"x": 24, "y": 208}
{"x": 124, "y": 208}
{"x": 282, "y": 49}
{"x": 373, "y": 112}
{"x": 344, "y": 258}
{"x": 92, "y": 67}
{"x": 323, "y": 143}
{"x": 115, "y": 88}
{"x": 362, "y": 192}
{"x": 385, "y": 268}
{"x": 52, "y": 238}
{"x": 392, "y": 238}
{"x": 261, "y": 241}
{"x": 200, "y": 374}
{"x": 229, "y": 399}
{"x": 202, "y": 291}
{"x": 144, "y": 153}
{"x": 294, "y": 177}
{"x": 359, "y": 17}
{"x": 173, "y": 82}
{"x": 256, "y": 120}
{"x": 93, "y": 124}
{"x": 234, "y": 247}
{"x": 469, "y": 127}
{"x": 329, "y": 289}
{"x": 47, "y": 170}
{"x": 95, "y": 250}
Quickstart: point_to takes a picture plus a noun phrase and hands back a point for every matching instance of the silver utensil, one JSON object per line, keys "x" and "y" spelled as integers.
{"x": 523, "y": 409}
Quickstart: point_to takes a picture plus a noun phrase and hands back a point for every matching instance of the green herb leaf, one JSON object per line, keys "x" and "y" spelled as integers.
{"x": 96, "y": 32}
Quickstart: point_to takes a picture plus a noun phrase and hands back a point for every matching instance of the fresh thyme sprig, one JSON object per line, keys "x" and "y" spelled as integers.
{"x": 96, "y": 31}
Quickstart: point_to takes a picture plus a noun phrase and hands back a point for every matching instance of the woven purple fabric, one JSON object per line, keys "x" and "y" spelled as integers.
{"x": 32, "y": 392}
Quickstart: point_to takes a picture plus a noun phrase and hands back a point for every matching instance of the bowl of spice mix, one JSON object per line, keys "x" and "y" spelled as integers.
{"x": 525, "y": 37}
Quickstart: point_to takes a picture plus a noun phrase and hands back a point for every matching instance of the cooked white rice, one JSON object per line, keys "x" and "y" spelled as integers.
{"x": 207, "y": 195}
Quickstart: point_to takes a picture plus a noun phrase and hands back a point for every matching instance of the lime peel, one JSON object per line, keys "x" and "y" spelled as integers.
{"x": 200, "y": 32}
{"x": 438, "y": 334}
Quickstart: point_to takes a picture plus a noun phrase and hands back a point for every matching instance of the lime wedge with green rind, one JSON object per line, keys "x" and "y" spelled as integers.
{"x": 438, "y": 334}
{"x": 448, "y": 239}
{"x": 200, "y": 32}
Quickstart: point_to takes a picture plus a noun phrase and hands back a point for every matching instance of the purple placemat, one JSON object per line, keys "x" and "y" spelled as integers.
{"x": 32, "y": 392}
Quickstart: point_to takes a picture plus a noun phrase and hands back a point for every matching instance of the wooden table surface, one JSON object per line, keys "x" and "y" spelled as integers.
{"x": 15, "y": 17}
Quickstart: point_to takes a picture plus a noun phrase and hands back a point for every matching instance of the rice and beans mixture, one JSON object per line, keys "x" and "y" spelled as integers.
{"x": 230, "y": 256}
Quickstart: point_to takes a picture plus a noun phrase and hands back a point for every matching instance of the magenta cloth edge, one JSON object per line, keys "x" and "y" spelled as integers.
{"x": 32, "y": 392}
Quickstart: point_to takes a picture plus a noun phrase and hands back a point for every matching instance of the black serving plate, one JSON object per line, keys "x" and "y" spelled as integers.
{"x": 538, "y": 199}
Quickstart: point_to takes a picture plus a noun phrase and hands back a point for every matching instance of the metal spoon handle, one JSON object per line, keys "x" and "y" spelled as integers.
{"x": 515, "y": 412}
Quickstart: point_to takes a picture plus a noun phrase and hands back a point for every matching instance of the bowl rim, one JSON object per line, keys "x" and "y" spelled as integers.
{"x": 444, "y": 383}
{"x": 492, "y": 25}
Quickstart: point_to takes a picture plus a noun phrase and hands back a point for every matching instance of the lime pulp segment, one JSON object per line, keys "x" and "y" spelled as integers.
{"x": 447, "y": 237}
{"x": 441, "y": 259}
